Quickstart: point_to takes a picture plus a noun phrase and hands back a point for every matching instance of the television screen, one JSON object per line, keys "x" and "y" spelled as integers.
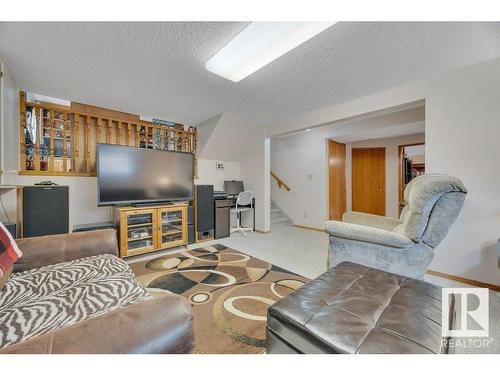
{"x": 135, "y": 175}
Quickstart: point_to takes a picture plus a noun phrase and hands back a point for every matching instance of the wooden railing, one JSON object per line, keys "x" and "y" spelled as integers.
{"x": 62, "y": 140}
{"x": 281, "y": 183}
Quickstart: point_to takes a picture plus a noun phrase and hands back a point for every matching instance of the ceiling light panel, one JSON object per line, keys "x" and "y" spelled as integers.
{"x": 259, "y": 44}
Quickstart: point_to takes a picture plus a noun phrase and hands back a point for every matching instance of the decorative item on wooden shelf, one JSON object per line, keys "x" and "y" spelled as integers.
{"x": 57, "y": 140}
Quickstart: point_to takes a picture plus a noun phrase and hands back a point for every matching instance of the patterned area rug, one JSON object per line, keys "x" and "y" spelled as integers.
{"x": 230, "y": 293}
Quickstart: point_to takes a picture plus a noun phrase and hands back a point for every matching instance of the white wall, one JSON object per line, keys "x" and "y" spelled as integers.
{"x": 209, "y": 175}
{"x": 391, "y": 168}
{"x": 254, "y": 170}
{"x": 462, "y": 139}
{"x": 462, "y": 124}
{"x": 300, "y": 161}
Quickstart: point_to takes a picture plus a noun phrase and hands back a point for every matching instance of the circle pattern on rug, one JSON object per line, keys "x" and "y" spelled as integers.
{"x": 229, "y": 306}
{"x": 200, "y": 298}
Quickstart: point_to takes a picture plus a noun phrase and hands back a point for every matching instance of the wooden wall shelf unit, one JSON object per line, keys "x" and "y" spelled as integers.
{"x": 144, "y": 230}
{"x": 65, "y": 138}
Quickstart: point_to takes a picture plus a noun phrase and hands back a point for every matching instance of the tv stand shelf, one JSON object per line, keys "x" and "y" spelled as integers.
{"x": 146, "y": 229}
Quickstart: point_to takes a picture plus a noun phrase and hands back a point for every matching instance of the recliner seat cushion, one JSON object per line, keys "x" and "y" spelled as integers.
{"x": 44, "y": 299}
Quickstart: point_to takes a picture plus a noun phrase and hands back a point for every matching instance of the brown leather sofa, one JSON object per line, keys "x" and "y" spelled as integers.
{"x": 357, "y": 309}
{"x": 84, "y": 299}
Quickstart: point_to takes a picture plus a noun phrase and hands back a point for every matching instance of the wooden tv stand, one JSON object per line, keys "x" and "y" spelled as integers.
{"x": 146, "y": 229}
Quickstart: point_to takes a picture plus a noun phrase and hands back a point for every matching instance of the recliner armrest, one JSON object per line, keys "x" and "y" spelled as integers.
{"x": 364, "y": 233}
{"x": 370, "y": 220}
{"x": 158, "y": 326}
{"x": 45, "y": 250}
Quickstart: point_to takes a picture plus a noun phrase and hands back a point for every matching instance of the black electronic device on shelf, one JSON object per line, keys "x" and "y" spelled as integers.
{"x": 220, "y": 195}
{"x": 139, "y": 219}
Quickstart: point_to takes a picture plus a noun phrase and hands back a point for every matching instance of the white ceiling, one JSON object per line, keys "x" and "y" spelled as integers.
{"x": 158, "y": 69}
{"x": 383, "y": 133}
{"x": 387, "y": 124}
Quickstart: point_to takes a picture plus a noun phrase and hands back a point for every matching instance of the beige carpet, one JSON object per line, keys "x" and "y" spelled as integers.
{"x": 229, "y": 291}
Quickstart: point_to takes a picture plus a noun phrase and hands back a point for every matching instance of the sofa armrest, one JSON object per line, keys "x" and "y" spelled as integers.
{"x": 364, "y": 233}
{"x": 44, "y": 250}
{"x": 370, "y": 220}
{"x": 161, "y": 325}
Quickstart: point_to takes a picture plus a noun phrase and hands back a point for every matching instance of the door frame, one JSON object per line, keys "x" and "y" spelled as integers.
{"x": 328, "y": 185}
{"x": 385, "y": 173}
{"x": 400, "y": 171}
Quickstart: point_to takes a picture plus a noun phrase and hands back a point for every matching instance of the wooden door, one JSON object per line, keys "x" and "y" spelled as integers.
{"x": 336, "y": 180}
{"x": 368, "y": 180}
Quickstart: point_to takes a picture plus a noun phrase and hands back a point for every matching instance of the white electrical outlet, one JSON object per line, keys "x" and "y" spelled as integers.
{"x": 305, "y": 215}
{"x": 309, "y": 176}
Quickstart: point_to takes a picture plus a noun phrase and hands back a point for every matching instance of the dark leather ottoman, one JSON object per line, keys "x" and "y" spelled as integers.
{"x": 356, "y": 309}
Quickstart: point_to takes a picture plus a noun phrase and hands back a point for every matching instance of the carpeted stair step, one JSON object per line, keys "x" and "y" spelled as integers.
{"x": 278, "y": 218}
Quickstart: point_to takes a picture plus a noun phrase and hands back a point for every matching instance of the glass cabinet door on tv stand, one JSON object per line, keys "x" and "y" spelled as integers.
{"x": 172, "y": 226}
{"x": 138, "y": 231}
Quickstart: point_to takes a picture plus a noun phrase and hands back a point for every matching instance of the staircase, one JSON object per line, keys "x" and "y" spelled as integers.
{"x": 278, "y": 218}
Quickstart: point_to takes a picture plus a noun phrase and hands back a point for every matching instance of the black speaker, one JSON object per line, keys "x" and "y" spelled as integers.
{"x": 45, "y": 210}
{"x": 190, "y": 215}
{"x": 204, "y": 211}
{"x": 190, "y": 233}
{"x": 12, "y": 228}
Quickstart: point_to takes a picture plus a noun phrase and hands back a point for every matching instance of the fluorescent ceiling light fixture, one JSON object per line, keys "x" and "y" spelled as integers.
{"x": 259, "y": 44}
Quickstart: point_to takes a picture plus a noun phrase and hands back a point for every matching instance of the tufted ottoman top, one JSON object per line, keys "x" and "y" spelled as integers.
{"x": 356, "y": 309}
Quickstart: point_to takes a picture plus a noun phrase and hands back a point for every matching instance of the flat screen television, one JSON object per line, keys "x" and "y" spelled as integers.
{"x": 127, "y": 175}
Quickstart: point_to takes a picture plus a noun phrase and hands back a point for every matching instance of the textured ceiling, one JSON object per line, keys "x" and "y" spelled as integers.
{"x": 158, "y": 68}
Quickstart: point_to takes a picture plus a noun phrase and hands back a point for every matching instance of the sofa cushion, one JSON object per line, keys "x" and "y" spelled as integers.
{"x": 47, "y": 298}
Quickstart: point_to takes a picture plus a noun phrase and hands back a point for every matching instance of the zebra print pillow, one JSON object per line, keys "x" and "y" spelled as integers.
{"x": 44, "y": 299}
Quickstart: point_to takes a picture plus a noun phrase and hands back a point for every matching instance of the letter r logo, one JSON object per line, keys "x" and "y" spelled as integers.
{"x": 469, "y": 308}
